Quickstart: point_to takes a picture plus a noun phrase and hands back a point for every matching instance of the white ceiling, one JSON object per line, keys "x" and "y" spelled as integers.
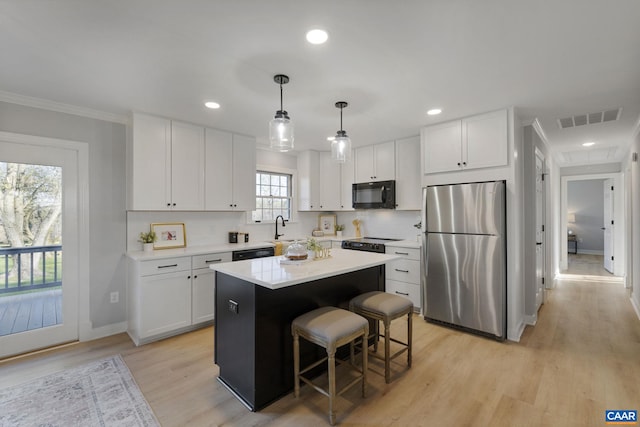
{"x": 390, "y": 60}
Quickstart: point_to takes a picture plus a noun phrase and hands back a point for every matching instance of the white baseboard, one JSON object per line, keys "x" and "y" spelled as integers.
{"x": 590, "y": 252}
{"x": 635, "y": 306}
{"x": 515, "y": 335}
{"x": 531, "y": 319}
{"x": 104, "y": 331}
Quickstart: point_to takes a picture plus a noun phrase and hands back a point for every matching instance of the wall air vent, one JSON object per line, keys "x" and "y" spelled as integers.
{"x": 589, "y": 119}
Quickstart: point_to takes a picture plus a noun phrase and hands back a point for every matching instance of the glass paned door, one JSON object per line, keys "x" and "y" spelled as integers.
{"x": 38, "y": 205}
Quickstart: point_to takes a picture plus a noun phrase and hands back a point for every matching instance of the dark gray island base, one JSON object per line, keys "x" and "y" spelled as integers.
{"x": 253, "y": 342}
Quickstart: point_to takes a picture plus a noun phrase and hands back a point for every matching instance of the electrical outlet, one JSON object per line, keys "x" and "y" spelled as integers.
{"x": 233, "y": 306}
{"x": 115, "y": 297}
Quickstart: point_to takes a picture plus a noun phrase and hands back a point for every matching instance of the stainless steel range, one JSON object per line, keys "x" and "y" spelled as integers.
{"x": 368, "y": 244}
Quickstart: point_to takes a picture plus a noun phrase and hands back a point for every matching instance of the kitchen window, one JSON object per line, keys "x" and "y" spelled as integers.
{"x": 273, "y": 196}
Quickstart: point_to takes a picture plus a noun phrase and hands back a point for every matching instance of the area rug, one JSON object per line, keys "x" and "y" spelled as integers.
{"x": 101, "y": 393}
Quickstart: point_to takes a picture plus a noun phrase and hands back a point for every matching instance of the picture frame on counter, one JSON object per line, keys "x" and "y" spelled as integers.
{"x": 170, "y": 235}
{"x": 327, "y": 224}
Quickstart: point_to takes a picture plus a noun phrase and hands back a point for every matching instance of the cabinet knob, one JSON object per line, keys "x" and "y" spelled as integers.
{"x": 195, "y": 277}
{"x": 174, "y": 204}
{"x": 188, "y": 277}
{"x": 459, "y": 164}
{"x": 464, "y": 163}
{"x": 168, "y": 204}
{"x": 231, "y": 205}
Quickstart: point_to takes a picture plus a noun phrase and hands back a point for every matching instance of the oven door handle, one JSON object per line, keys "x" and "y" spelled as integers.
{"x": 383, "y": 194}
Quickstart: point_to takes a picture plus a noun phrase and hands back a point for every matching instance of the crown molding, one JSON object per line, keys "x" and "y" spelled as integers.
{"x": 538, "y": 128}
{"x": 46, "y": 104}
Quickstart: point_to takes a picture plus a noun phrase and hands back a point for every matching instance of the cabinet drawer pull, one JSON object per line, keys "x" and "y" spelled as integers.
{"x": 402, "y": 293}
{"x": 167, "y": 266}
{"x": 401, "y": 253}
{"x": 402, "y": 271}
{"x": 209, "y": 261}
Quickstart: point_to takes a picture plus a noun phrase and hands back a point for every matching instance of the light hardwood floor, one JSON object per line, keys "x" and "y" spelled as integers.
{"x": 586, "y": 264}
{"x": 581, "y": 358}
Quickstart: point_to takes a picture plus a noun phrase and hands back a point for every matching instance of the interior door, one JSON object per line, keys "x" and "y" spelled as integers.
{"x": 38, "y": 308}
{"x": 608, "y": 225}
{"x": 540, "y": 237}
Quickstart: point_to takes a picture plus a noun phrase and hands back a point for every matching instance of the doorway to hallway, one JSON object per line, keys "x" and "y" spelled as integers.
{"x": 592, "y": 212}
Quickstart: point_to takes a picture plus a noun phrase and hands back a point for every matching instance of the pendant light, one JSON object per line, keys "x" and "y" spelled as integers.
{"x": 280, "y": 127}
{"x": 341, "y": 145}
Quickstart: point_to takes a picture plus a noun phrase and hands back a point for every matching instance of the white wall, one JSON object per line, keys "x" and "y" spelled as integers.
{"x": 106, "y": 141}
{"x": 634, "y": 227}
{"x": 532, "y": 142}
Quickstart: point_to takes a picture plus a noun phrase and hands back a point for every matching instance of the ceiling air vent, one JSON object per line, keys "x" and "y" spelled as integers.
{"x": 591, "y": 118}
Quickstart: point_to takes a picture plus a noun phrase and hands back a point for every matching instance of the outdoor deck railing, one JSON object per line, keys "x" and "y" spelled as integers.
{"x": 50, "y": 267}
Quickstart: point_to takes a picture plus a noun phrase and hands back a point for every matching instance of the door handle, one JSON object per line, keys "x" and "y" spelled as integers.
{"x": 402, "y": 271}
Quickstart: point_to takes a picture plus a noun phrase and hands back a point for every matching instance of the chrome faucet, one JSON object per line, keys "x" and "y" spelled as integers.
{"x": 283, "y": 224}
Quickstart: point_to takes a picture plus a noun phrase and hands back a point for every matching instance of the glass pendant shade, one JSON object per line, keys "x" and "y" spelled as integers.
{"x": 341, "y": 144}
{"x": 280, "y": 127}
{"x": 341, "y": 148}
{"x": 281, "y": 133}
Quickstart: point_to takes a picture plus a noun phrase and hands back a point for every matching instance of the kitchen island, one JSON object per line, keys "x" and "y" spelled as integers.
{"x": 256, "y": 301}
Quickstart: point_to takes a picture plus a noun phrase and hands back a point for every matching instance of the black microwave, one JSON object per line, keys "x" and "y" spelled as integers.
{"x": 374, "y": 195}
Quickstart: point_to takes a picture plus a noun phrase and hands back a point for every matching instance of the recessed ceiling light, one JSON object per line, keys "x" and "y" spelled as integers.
{"x": 317, "y": 36}
{"x": 212, "y": 105}
{"x": 588, "y": 144}
{"x": 434, "y": 111}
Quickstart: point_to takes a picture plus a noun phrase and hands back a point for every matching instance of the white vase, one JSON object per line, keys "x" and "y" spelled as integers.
{"x": 339, "y": 233}
{"x": 147, "y": 247}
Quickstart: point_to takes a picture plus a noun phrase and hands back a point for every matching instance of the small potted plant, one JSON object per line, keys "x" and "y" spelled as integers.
{"x": 339, "y": 228}
{"x": 147, "y": 240}
{"x": 313, "y": 247}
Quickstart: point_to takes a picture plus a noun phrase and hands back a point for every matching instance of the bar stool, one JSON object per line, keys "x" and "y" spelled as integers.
{"x": 381, "y": 306}
{"x": 328, "y": 327}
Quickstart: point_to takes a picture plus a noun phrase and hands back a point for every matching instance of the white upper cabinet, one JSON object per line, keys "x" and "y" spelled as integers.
{"x": 329, "y": 182}
{"x": 323, "y": 185}
{"x": 187, "y": 167}
{"x": 375, "y": 162}
{"x": 474, "y": 142}
{"x": 165, "y": 165}
{"x": 346, "y": 175}
{"x": 244, "y": 173}
{"x": 308, "y": 180}
{"x": 442, "y": 147}
{"x": 230, "y": 171}
{"x": 486, "y": 138}
{"x": 408, "y": 184}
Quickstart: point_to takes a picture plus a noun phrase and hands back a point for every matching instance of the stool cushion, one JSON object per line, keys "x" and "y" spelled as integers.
{"x": 329, "y": 323}
{"x": 382, "y": 302}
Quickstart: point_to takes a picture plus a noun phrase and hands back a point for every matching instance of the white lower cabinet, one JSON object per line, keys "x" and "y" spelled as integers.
{"x": 167, "y": 303}
{"x": 403, "y": 275}
{"x": 170, "y": 296}
{"x": 204, "y": 286}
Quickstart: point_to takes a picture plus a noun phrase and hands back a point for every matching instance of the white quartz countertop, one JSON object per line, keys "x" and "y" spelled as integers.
{"x": 196, "y": 250}
{"x": 270, "y": 273}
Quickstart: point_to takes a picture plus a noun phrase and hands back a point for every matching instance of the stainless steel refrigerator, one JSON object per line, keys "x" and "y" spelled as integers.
{"x": 464, "y": 244}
